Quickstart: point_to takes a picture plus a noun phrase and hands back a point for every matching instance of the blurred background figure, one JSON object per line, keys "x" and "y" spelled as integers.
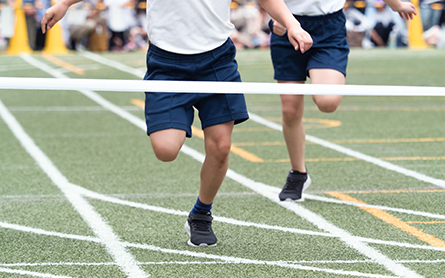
{"x": 42, "y": 6}
{"x": 120, "y": 18}
{"x": 82, "y": 20}
{"x": 431, "y": 12}
{"x": 7, "y": 20}
{"x": 137, "y": 34}
{"x": 382, "y": 23}
{"x": 357, "y": 24}
{"x": 29, "y": 7}
{"x": 251, "y": 29}
{"x": 388, "y": 28}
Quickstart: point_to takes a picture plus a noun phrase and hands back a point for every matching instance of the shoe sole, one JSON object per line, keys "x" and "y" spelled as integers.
{"x": 306, "y": 185}
{"x": 187, "y": 229}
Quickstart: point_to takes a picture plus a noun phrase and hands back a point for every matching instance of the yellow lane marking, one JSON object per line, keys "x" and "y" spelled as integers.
{"x": 245, "y": 154}
{"x": 238, "y": 151}
{"x": 313, "y": 123}
{"x": 394, "y": 221}
{"x": 200, "y": 134}
{"x": 341, "y": 142}
{"x": 250, "y": 129}
{"x": 342, "y": 159}
{"x": 402, "y": 140}
{"x": 414, "y": 158}
{"x": 389, "y": 108}
{"x": 63, "y": 64}
{"x": 252, "y": 144}
{"x": 425, "y": 222}
{"x": 138, "y": 102}
{"x": 253, "y": 158}
{"x": 389, "y": 191}
{"x": 357, "y": 108}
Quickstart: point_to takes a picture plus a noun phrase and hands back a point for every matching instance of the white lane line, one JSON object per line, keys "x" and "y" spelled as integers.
{"x": 47, "y": 233}
{"x": 271, "y": 193}
{"x": 88, "y": 193}
{"x": 214, "y": 263}
{"x": 111, "y": 241}
{"x": 94, "y": 195}
{"x": 105, "y": 198}
{"x": 30, "y": 273}
{"x": 359, "y": 155}
{"x": 406, "y": 211}
{"x": 114, "y": 64}
{"x": 227, "y": 259}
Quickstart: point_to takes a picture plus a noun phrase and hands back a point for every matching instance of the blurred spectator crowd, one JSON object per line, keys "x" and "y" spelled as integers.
{"x": 371, "y": 23}
{"x": 120, "y": 25}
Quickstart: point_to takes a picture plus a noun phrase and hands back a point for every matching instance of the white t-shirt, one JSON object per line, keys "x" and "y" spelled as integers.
{"x": 314, "y": 7}
{"x": 188, "y": 27}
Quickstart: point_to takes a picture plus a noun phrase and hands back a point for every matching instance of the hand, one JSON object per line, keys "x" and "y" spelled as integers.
{"x": 53, "y": 15}
{"x": 406, "y": 10}
{"x": 299, "y": 38}
{"x": 278, "y": 28}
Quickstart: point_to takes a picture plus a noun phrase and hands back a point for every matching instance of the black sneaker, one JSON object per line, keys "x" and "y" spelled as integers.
{"x": 199, "y": 227}
{"x": 295, "y": 185}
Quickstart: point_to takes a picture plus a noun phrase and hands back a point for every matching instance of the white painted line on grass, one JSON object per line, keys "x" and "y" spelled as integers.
{"x": 30, "y": 273}
{"x": 114, "y": 64}
{"x": 227, "y": 259}
{"x": 256, "y": 262}
{"x": 214, "y": 263}
{"x": 352, "y": 153}
{"x": 105, "y": 198}
{"x": 406, "y": 211}
{"x": 47, "y": 233}
{"x": 271, "y": 193}
{"x": 105, "y": 233}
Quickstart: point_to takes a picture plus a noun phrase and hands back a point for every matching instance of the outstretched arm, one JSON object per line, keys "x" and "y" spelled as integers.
{"x": 406, "y": 10}
{"x": 278, "y": 10}
{"x": 55, "y": 13}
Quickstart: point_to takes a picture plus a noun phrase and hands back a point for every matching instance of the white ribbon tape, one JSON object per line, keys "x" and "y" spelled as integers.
{"x": 214, "y": 87}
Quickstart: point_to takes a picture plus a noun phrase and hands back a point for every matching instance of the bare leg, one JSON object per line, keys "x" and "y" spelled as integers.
{"x": 327, "y": 103}
{"x": 167, "y": 143}
{"x": 217, "y": 140}
{"x": 292, "y": 107}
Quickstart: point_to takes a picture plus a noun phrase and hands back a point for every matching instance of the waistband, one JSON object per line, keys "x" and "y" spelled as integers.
{"x": 318, "y": 17}
{"x": 154, "y": 50}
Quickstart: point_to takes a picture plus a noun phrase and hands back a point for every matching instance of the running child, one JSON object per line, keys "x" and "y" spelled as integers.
{"x": 324, "y": 63}
{"x": 189, "y": 40}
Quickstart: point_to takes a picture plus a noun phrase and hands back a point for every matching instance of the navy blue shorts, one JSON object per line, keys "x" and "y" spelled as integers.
{"x": 176, "y": 110}
{"x": 329, "y": 51}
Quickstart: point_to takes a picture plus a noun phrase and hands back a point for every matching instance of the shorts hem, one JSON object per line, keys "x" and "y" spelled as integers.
{"x": 163, "y": 126}
{"x": 237, "y": 118}
{"x": 343, "y": 71}
{"x": 289, "y": 78}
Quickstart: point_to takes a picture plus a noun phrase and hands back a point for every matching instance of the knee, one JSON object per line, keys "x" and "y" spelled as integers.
{"x": 219, "y": 150}
{"x": 165, "y": 153}
{"x": 327, "y": 105}
{"x": 291, "y": 115}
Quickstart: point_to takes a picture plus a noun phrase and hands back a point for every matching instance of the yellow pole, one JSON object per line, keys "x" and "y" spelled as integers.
{"x": 54, "y": 41}
{"x": 19, "y": 42}
{"x": 415, "y": 30}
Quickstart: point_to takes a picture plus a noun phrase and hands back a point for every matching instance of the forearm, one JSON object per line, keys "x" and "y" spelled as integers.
{"x": 393, "y": 4}
{"x": 69, "y": 2}
{"x": 278, "y": 10}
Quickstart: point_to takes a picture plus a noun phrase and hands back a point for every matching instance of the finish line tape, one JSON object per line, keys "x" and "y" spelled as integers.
{"x": 114, "y": 85}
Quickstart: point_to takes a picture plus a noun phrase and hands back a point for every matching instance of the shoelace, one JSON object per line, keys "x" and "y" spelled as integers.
{"x": 201, "y": 225}
{"x": 291, "y": 184}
